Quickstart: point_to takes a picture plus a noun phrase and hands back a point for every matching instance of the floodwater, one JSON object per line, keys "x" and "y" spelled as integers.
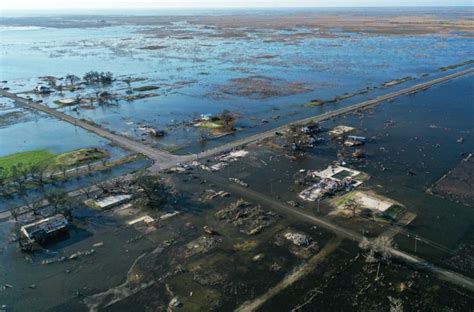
{"x": 413, "y": 142}
{"x": 194, "y": 64}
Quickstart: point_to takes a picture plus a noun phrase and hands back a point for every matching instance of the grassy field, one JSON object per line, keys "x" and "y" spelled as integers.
{"x": 69, "y": 159}
{"x": 28, "y": 159}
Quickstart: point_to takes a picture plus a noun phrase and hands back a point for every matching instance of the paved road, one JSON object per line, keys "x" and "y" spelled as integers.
{"x": 332, "y": 114}
{"x": 164, "y": 160}
{"x": 161, "y": 158}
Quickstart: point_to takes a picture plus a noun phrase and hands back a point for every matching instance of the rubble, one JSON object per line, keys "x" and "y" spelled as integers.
{"x": 169, "y": 215}
{"x": 340, "y": 130}
{"x": 174, "y": 303}
{"x": 211, "y": 194}
{"x": 301, "y": 138}
{"x": 333, "y": 179}
{"x": 250, "y": 219}
{"x": 232, "y": 156}
{"x": 201, "y": 244}
{"x": 152, "y": 131}
{"x": 145, "y": 219}
{"x": 358, "y": 153}
{"x": 298, "y": 239}
{"x": 239, "y": 182}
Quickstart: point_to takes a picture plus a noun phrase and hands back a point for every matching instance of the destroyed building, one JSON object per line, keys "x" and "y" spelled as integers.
{"x": 45, "y": 229}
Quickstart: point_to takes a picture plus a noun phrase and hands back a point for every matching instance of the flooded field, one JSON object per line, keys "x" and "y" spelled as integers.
{"x": 265, "y": 71}
{"x": 370, "y": 210}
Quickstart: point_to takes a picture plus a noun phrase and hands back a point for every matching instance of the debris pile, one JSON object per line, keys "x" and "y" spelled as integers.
{"x": 327, "y": 186}
{"x": 211, "y": 194}
{"x": 299, "y": 139}
{"x": 250, "y": 219}
{"x": 239, "y": 182}
{"x": 201, "y": 244}
{"x": 298, "y": 239}
{"x": 340, "y": 130}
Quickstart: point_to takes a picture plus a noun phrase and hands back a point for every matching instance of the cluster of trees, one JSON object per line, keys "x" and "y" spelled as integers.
{"x": 228, "y": 121}
{"x": 19, "y": 176}
{"x": 152, "y": 192}
{"x": 96, "y": 77}
{"x": 72, "y": 79}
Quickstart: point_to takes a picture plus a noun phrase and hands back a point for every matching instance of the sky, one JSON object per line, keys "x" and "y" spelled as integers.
{"x": 157, "y": 4}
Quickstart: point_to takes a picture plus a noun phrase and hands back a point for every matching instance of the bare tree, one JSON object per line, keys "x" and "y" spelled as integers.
{"x": 378, "y": 249}
{"x": 153, "y": 192}
{"x": 352, "y": 205}
{"x": 19, "y": 177}
{"x": 396, "y": 304}
{"x": 128, "y": 82}
{"x": 34, "y": 204}
{"x": 86, "y": 191}
{"x": 203, "y": 137}
{"x": 60, "y": 201}
{"x": 3, "y": 180}
{"x": 38, "y": 174}
{"x": 104, "y": 187}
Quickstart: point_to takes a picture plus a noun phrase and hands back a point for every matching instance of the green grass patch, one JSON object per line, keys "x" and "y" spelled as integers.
{"x": 26, "y": 159}
{"x": 314, "y": 103}
{"x": 145, "y": 88}
{"x": 394, "y": 211}
{"x": 210, "y": 124}
{"x": 247, "y": 245}
{"x": 80, "y": 157}
{"x": 445, "y": 68}
{"x": 362, "y": 177}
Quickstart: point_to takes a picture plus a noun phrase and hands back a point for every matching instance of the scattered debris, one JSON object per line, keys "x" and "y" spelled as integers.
{"x": 169, "y": 215}
{"x": 298, "y": 239}
{"x": 333, "y": 179}
{"x": 145, "y": 219}
{"x": 152, "y": 131}
{"x": 209, "y": 230}
{"x": 250, "y": 219}
{"x": 340, "y": 130}
{"x": 174, "y": 303}
{"x": 239, "y": 182}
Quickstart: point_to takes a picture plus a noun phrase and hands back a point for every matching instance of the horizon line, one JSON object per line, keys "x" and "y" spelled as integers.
{"x": 236, "y": 7}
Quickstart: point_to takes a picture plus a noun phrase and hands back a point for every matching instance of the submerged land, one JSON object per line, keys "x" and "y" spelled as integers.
{"x": 237, "y": 160}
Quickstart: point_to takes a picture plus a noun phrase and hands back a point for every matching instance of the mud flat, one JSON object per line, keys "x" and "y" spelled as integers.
{"x": 457, "y": 185}
{"x": 261, "y": 87}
